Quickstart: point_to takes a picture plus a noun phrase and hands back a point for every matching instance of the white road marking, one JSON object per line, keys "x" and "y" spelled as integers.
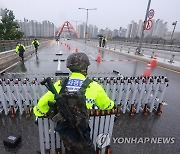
{"x": 92, "y": 57}
{"x": 59, "y": 65}
{"x": 164, "y": 103}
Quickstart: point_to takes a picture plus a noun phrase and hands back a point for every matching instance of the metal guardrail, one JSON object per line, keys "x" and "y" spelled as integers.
{"x": 165, "y": 54}
{"x": 174, "y": 48}
{"x": 132, "y": 95}
{"x": 168, "y": 47}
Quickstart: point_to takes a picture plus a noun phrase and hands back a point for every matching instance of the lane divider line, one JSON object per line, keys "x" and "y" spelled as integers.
{"x": 92, "y": 57}
{"x": 59, "y": 65}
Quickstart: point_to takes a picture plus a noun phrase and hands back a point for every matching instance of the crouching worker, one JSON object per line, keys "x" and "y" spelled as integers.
{"x": 78, "y": 93}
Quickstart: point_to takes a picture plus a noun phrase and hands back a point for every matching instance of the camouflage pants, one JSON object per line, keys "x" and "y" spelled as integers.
{"x": 76, "y": 147}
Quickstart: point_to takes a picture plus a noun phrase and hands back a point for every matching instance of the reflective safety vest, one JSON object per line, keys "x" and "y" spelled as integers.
{"x": 95, "y": 94}
{"x": 104, "y": 39}
{"x": 17, "y": 47}
{"x": 35, "y": 42}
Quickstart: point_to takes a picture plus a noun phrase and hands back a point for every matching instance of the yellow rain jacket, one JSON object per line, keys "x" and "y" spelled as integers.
{"x": 36, "y": 42}
{"x": 95, "y": 94}
{"x": 17, "y": 47}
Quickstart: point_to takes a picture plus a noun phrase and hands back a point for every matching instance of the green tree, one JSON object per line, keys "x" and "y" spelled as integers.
{"x": 8, "y": 27}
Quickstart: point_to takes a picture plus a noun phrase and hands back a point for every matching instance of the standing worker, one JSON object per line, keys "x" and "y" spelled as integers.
{"x": 104, "y": 40}
{"x": 79, "y": 93}
{"x": 36, "y": 44}
{"x": 100, "y": 41}
{"x": 57, "y": 40}
{"x": 20, "y": 48}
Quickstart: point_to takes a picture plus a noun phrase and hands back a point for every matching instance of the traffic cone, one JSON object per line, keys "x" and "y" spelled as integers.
{"x": 147, "y": 71}
{"x": 154, "y": 61}
{"x": 98, "y": 57}
{"x": 76, "y": 49}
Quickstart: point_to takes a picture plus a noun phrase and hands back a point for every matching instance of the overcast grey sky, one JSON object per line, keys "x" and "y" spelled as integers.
{"x": 109, "y": 13}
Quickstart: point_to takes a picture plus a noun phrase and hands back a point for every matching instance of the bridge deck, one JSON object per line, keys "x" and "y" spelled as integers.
{"x": 42, "y": 65}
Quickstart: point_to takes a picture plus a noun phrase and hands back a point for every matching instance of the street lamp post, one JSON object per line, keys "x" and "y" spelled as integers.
{"x": 138, "y": 50}
{"x": 174, "y": 23}
{"x": 87, "y": 20}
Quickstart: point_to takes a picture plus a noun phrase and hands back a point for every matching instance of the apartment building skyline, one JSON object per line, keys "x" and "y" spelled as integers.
{"x": 158, "y": 30}
{"x": 33, "y": 28}
{"x": 133, "y": 30}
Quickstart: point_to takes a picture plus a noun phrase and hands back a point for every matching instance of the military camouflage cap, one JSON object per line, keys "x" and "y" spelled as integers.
{"x": 77, "y": 61}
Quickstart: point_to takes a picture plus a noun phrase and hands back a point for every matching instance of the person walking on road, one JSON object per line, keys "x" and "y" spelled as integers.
{"x": 100, "y": 41}
{"x": 80, "y": 94}
{"x": 36, "y": 44}
{"x": 57, "y": 40}
{"x": 104, "y": 40}
{"x": 20, "y": 48}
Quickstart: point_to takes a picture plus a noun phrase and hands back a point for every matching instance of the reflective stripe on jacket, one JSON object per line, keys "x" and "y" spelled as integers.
{"x": 36, "y": 42}
{"x": 95, "y": 94}
{"x": 17, "y": 47}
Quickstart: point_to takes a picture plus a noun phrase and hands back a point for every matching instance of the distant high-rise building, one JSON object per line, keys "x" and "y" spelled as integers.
{"x": 133, "y": 32}
{"x": 115, "y": 33}
{"x": 36, "y": 29}
{"x": 102, "y": 32}
{"x": 90, "y": 31}
{"x": 81, "y": 30}
{"x": 159, "y": 29}
{"x": 139, "y": 29}
{"x": 122, "y": 32}
{"x": 108, "y": 33}
{"x": 95, "y": 32}
{"x": 128, "y": 32}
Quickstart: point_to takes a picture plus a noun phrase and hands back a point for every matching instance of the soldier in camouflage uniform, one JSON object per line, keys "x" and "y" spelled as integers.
{"x": 93, "y": 94}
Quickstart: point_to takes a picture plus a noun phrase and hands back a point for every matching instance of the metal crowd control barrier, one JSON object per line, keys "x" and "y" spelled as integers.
{"x": 136, "y": 94}
{"x": 101, "y": 122}
{"x": 131, "y": 95}
{"x": 17, "y": 94}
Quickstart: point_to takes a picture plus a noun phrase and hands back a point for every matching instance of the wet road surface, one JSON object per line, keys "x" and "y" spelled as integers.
{"x": 139, "y": 126}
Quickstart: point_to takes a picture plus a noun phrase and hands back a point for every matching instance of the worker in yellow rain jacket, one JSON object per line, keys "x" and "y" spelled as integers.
{"x": 94, "y": 95}
{"x": 20, "y": 48}
{"x": 104, "y": 40}
{"x": 36, "y": 44}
